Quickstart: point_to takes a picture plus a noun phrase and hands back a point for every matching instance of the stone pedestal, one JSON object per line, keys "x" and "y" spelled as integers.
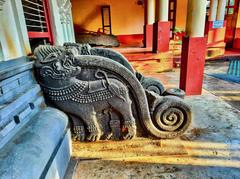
{"x": 192, "y": 64}
{"x": 148, "y": 35}
{"x": 161, "y": 36}
{"x": 35, "y": 141}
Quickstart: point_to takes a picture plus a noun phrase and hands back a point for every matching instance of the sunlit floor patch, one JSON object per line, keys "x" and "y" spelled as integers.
{"x": 210, "y": 148}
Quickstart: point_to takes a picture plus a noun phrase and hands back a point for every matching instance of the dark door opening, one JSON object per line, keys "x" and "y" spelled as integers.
{"x": 106, "y": 20}
{"x": 172, "y": 9}
{"x": 231, "y": 21}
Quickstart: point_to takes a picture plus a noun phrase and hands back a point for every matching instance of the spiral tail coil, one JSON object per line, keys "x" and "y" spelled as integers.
{"x": 171, "y": 116}
{"x": 150, "y": 84}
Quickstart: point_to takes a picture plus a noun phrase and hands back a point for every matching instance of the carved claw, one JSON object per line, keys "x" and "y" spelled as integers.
{"x": 106, "y": 136}
{"x": 129, "y": 130}
{"x": 94, "y": 133}
{"x": 78, "y": 133}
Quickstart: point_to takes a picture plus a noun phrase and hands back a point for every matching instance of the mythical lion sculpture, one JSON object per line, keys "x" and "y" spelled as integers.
{"x": 104, "y": 97}
{"x": 83, "y": 99}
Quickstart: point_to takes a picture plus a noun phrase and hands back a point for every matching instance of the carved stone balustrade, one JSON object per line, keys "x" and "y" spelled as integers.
{"x": 104, "y": 97}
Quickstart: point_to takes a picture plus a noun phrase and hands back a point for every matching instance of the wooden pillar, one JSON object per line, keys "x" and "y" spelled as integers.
{"x": 196, "y": 18}
{"x": 149, "y": 15}
{"x": 212, "y": 17}
{"x": 213, "y": 10}
{"x": 162, "y": 10}
{"x": 221, "y": 10}
{"x": 161, "y": 27}
{"x": 194, "y": 49}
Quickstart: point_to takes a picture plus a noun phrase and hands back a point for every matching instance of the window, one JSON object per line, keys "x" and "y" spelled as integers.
{"x": 37, "y": 21}
{"x": 172, "y": 16}
{"x": 231, "y": 7}
{"x": 106, "y": 19}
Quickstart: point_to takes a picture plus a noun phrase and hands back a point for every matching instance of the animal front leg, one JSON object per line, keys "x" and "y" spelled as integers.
{"x": 129, "y": 129}
{"x": 78, "y": 132}
{"x": 115, "y": 126}
{"x": 92, "y": 124}
{"x": 129, "y": 126}
{"x": 124, "y": 107}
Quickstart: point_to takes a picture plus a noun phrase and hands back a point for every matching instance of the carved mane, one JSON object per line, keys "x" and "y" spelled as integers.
{"x": 45, "y": 53}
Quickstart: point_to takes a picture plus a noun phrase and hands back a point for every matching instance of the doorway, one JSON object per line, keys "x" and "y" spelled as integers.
{"x": 231, "y": 13}
{"x": 172, "y": 9}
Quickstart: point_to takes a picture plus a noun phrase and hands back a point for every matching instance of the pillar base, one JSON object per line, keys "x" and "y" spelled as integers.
{"x": 192, "y": 64}
{"x": 216, "y": 39}
{"x": 161, "y": 36}
{"x": 148, "y": 35}
{"x": 215, "y": 35}
{"x": 236, "y": 42}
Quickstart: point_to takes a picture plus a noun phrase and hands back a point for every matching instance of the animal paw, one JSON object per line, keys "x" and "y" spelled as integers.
{"x": 129, "y": 130}
{"x": 94, "y": 133}
{"x": 78, "y": 133}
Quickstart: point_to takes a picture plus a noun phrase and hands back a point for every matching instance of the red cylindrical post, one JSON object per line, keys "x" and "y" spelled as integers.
{"x": 194, "y": 49}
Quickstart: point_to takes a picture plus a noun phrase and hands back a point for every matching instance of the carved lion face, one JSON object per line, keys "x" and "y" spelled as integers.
{"x": 57, "y": 63}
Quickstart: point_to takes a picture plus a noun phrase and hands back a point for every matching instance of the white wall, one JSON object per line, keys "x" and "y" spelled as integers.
{"x": 14, "y": 42}
{"x": 13, "y": 32}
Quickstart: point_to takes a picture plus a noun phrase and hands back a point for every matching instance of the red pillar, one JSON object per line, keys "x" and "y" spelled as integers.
{"x": 192, "y": 64}
{"x": 161, "y": 36}
{"x": 148, "y": 35}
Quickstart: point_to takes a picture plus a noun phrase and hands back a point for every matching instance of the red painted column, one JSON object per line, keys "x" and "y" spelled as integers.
{"x": 161, "y": 27}
{"x": 149, "y": 17}
{"x": 148, "y": 35}
{"x": 194, "y": 49}
{"x": 192, "y": 64}
{"x": 161, "y": 36}
{"x": 236, "y": 42}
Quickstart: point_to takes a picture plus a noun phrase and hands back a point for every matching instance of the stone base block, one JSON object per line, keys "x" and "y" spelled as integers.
{"x": 148, "y": 35}
{"x": 192, "y": 64}
{"x": 42, "y": 149}
{"x": 161, "y": 36}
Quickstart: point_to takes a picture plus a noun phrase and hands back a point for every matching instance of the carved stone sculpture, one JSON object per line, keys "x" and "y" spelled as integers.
{"x": 104, "y": 99}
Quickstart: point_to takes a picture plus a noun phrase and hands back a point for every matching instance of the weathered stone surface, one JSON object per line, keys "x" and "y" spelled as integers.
{"x": 29, "y": 153}
{"x": 209, "y": 148}
{"x": 97, "y": 92}
{"x": 150, "y": 84}
{"x": 98, "y": 39}
{"x": 34, "y": 140}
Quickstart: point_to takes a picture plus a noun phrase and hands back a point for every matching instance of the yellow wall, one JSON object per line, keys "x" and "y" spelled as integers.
{"x": 181, "y": 14}
{"x": 127, "y": 16}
